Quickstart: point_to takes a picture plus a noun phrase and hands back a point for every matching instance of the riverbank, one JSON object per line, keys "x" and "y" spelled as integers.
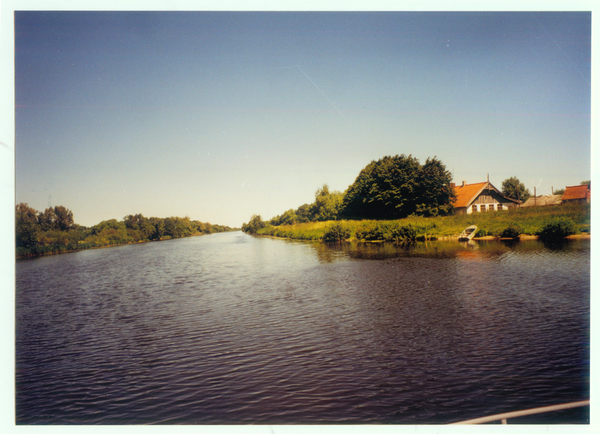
{"x": 491, "y": 225}
{"x": 22, "y": 253}
{"x": 58, "y": 251}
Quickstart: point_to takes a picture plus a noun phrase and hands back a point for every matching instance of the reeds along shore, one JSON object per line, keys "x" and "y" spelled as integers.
{"x": 496, "y": 224}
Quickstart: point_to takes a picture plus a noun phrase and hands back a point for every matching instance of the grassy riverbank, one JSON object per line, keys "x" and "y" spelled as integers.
{"x": 97, "y": 243}
{"x": 530, "y": 221}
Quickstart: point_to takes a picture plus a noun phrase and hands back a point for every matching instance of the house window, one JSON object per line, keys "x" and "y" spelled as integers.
{"x": 491, "y": 207}
{"x": 499, "y": 207}
{"x": 482, "y": 208}
{"x": 474, "y": 208}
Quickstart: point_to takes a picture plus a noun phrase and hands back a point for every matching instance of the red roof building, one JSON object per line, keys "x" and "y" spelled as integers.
{"x": 481, "y": 197}
{"x": 577, "y": 194}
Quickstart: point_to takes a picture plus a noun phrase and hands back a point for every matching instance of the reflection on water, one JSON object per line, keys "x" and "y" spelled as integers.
{"x": 434, "y": 249}
{"x": 230, "y": 328}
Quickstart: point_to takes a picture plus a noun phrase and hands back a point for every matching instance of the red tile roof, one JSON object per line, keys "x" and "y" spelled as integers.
{"x": 466, "y": 193}
{"x": 576, "y": 192}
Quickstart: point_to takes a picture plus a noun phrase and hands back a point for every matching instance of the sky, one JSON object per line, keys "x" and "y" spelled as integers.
{"x": 222, "y": 115}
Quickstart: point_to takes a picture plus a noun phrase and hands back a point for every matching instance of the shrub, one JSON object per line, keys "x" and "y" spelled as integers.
{"x": 404, "y": 234}
{"x": 482, "y": 233}
{"x": 558, "y": 227}
{"x": 512, "y": 231}
{"x": 338, "y": 231}
{"x": 382, "y": 231}
{"x": 387, "y": 231}
{"x": 362, "y": 233}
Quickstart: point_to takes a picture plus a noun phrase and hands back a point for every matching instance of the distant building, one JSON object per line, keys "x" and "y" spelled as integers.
{"x": 577, "y": 194}
{"x": 481, "y": 197}
{"x": 551, "y": 199}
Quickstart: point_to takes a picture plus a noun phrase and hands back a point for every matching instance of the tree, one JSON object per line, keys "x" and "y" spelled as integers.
{"x": 26, "y": 225}
{"x": 147, "y": 230}
{"x": 287, "y": 218}
{"x": 47, "y": 219}
{"x": 304, "y": 213}
{"x": 134, "y": 222}
{"x": 64, "y": 218}
{"x": 253, "y": 225}
{"x": 109, "y": 232}
{"x": 327, "y": 204}
{"x": 170, "y": 227}
{"x": 433, "y": 192}
{"x": 178, "y": 227}
{"x": 396, "y": 187}
{"x": 157, "y": 229}
{"x": 109, "y": 225}
{"x": 515, "y": 189}
{"x": 25, "y": 214}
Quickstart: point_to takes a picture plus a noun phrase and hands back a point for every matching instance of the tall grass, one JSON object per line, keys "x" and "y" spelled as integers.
{"x": 299, "y": 231}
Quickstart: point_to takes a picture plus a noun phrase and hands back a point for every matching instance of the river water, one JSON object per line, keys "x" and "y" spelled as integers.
{"x": 231, "y": 328}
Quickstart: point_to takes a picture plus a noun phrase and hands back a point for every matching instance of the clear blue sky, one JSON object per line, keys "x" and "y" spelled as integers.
{"x": 221, "y": 115}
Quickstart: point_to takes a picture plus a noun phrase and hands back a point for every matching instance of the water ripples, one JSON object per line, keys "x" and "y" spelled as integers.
{"x": 229, "y": 328}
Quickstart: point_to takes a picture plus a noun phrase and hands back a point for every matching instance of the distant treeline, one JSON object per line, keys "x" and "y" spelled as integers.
{"x": 54, "y": 230}
{"x": 389, "y": 188}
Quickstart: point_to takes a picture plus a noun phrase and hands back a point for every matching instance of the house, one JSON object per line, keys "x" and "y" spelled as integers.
{"x": 480, "y": 197}
{"x": 577, "y": 194}
{"x": 550, "y": 199}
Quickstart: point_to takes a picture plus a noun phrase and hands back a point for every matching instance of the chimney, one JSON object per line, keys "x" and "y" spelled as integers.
{"x": 464, "y": 183}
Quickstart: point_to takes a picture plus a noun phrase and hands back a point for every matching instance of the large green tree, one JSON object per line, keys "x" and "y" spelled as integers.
{"x": 396, "y": 187}
{"x": 515, "y": 189}
{"x": 434, "y": 194}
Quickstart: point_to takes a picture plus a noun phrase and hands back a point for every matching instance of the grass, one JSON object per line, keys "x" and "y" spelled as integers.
{"x": 530, "y": 220}
{"x": 299, "y": 231}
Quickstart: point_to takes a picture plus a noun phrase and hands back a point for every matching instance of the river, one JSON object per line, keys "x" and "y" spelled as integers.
{"x": 234, "y": 329}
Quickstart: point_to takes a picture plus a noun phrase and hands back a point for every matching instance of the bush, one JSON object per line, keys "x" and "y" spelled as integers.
{"x": 338, "y": 231}
{"x": 404, "y": 234}
{"x": 482, "y": 233}
{"x": 362, "y": 233}
{"x": 387, "y": 231}
{"x": 381, "y": 232}
{"x": 512, "y": 231}
{"x": 558, "y": 227}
